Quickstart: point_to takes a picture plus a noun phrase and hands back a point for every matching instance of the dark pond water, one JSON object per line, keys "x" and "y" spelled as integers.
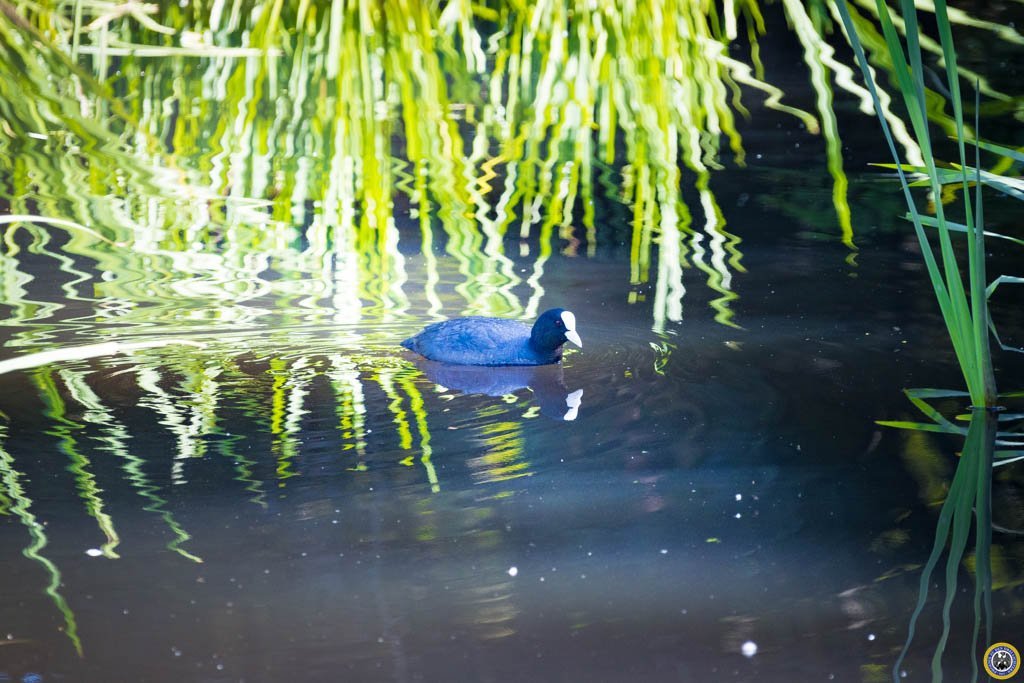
{"x": 279, "y": 492}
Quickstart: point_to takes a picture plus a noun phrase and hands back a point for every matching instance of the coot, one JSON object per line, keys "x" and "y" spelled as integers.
{"x": 476, "y": 340}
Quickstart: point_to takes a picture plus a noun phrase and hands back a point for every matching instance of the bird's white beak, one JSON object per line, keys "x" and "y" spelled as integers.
{"x": 570, "y": 328}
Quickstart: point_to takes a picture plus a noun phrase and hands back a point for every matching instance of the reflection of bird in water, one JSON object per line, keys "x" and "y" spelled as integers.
{"x": 545, "y": 381}
{"x": 476, "y": 340}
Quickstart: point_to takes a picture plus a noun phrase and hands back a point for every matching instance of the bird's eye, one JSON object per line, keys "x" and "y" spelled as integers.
{"x": 558, "y": 322}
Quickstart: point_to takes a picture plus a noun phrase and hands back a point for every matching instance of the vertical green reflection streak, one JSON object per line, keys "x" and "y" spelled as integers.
{"x": 15, "y": 281}
{"x": 288, "y": 394}
{"x": 420, "y": 414}
{"x": 722, "y": 245}
{"x": 817, "y": 55}
{"x": 385, "y": 378}
{"x": 65, "y": 429}
{"x": 22, "y": 504}
{"x": 243, "y": 468}
{"x": 252, "y": 407}
{"x": 349, "y": 406}
{"x": 970, "y": 489}
{"x": 877, "y": 53}
{"x": 173, "y": 416}
{"x": 427, "y": 243}
{"x": 114, "y": 438}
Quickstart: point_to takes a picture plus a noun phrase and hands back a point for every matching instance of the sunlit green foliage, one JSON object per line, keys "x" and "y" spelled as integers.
{"x": 169, "y": 159}
{"x": 965, "y": 311}
{"x": 210, "y": 142}
{"x": 966, "y": 315}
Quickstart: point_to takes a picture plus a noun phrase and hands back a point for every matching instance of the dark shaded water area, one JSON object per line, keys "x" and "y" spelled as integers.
{"x": 701, "y": 493}
{"x": 260, "y": 507}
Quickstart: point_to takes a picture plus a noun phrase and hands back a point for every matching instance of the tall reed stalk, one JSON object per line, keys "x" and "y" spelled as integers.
{"x": 964, "y": 309}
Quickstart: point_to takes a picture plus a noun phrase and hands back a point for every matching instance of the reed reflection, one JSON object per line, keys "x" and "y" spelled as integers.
{"x": 967, "y": 503}
{"x": 275, "y": 155}
{"x": 252, "y": 412}
{"x": 19, "y": 503}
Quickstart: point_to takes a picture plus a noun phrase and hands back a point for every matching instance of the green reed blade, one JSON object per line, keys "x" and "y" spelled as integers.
{"x": 922, "y": 426}
{"x": 930, "y": 222}
{"x": 1014, "y": 154}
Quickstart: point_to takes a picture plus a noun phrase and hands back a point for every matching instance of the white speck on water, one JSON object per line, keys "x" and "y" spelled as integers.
{"x": 738, "y": 515}
{"x": 512, "y": 571}
{"x": 664, "y": 551}
{"x": 749, "y": 648}
{"x": 175, "y": 651}
{"x": 739, "y": 496}
{"x": 871, "y": 636}
{"x": 93, "y": 552}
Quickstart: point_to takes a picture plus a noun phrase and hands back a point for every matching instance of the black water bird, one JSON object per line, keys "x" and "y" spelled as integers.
{"x": 476, "y": 340}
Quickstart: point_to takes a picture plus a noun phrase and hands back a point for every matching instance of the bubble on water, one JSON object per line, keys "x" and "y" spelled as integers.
{"x": 512, "y": 571}
{"x": 93, "y": 552}
{"x": 749, "y": 648}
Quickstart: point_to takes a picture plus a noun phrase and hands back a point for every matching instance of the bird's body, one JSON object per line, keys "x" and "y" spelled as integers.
{"x": 476, "y": 340}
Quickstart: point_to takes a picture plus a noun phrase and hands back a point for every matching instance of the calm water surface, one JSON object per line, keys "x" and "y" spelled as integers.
{"x": 283, "y": 500}
{"x": 701, "y": 493}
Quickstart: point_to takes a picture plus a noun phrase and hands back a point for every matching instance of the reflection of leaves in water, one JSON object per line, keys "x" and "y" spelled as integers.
{"x": 191, "y": 393}
{"x": 66, "y": 431}
{"x": 969, "y": 497}
{"x": 14, "y": 491}
{"x": 114, "y": 437}
{"x": 519, "y": 158}
{"x": 287, "y": 170}
{"x": 969, "y": 494}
